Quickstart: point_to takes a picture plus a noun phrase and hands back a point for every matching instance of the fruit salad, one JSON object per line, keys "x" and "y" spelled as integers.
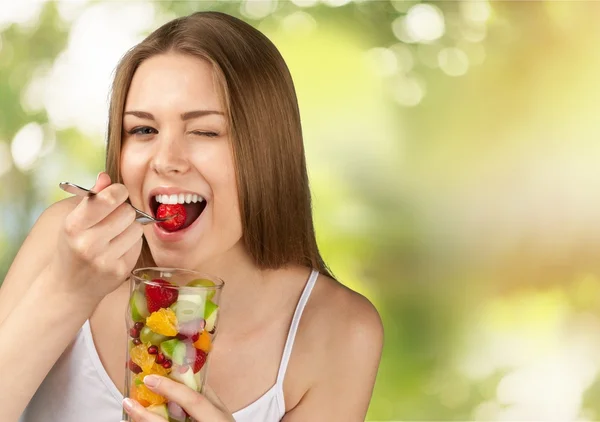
{"x": 171, "y": 330}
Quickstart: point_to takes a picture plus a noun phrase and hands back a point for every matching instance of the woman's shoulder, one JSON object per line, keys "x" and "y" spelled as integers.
{"x": 338, "y": 347}
{"x": 339, "y": 322}
{"x": 348, "y": 316}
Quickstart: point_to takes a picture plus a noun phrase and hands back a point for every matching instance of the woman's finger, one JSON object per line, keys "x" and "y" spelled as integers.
{"x": 195, "y": 404}
{"x": 138, "y": 413}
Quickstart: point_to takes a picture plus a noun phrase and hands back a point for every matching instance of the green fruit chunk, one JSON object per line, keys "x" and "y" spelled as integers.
{"x": 186, "y": 311}
{"x": 210, "y": 315}
{"x": 186, "y": 378}
{"x": 202, "y": 282}
{"x": 197, "y": 298}
{"x": 168, "y": 347}
{"x": 159, "y": 409}
{"x": 149, "y": 336}
{"x": 180, "y": 354}
{"x": 139, "y": 308}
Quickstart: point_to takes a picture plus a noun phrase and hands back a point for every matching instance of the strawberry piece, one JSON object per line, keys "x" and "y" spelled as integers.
{"x": 160, "y": 297}
{"x": 200, "y": 360}
{"x": 167, "y": 210}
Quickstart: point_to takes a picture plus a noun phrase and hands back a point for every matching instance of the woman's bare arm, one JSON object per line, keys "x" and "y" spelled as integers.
{"x": 352, "y": 341}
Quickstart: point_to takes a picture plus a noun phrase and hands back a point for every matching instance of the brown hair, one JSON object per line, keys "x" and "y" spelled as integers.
{"x": 264, "y": 125}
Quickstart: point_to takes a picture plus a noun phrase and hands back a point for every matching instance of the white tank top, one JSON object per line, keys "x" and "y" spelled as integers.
{"x": 78, "y": 388}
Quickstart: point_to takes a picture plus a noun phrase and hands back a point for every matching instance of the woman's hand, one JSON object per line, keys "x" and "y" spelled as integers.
{"x": 99, "y": 243}
{"x": 203, "y": 408}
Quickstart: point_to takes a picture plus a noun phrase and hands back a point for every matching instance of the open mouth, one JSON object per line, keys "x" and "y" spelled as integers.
{"x": 185, "y": 207}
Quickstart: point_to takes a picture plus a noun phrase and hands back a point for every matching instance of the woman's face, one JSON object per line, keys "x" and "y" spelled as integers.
{"x": 175, "y": 146}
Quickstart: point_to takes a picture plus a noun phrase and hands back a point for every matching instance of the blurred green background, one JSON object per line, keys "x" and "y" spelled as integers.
{"x": 453, "y": 150}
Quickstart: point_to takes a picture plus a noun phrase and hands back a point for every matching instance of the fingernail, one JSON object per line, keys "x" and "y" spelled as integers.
{"x": 128, "y": 404}
{"x": 98, "y": 177}
{"x": 151, "y": 380}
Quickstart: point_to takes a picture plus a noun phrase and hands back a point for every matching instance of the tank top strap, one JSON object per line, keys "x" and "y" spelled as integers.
{"x": 289, "y": 343}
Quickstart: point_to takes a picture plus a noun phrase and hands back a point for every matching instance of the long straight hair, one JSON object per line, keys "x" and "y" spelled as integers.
{"x": 260, "y": 102}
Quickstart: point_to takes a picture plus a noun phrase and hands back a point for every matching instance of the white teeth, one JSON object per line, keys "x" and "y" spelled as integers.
{"x": 181, "y": 198}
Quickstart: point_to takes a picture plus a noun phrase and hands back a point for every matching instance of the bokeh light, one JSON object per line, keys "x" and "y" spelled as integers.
{"x": 27, "y": 145}
{"x": 453, "y": 61}
{"x": 425, "y": 23}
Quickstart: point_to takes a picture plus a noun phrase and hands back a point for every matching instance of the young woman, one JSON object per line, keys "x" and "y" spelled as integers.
{"x": 203, "y": 106}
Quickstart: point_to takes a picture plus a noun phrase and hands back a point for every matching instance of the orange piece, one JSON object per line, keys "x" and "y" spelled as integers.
{"x": 133, "y": 393}
{"x": 143, "y": 393}
{"x": 204, "y": 342}
{"x": 158, "y": 370}
{"x": 163, "y": 322}
{"x": 140, "y": 356}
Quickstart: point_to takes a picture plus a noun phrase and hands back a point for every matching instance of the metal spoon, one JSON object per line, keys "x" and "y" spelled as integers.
{"x": 142, "y": 217}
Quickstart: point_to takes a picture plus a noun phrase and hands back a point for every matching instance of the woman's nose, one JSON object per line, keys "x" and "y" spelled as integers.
{"x": 170, "y": 156}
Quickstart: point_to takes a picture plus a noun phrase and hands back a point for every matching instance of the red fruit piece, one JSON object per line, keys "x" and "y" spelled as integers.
{"x": 167, "y": 364}
{"x": 183, "y": 337}
{"x": 160, "y": 297}
{"x": 134, "y": 367}
{"x": 168, "y": 210}
{"x": 160, "y": 358}
{"x": 137, "y": 341}
{"x": 152, "y": 350}
{"x": 200, "y": 360}
{"x": 134, "y": 332}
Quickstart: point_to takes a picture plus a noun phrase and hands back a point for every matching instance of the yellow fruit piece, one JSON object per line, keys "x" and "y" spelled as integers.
{"x": 133, "y": 393}
{"x": 158, "y": 370}
{"x": 163, "y": 322}
{"x": 204, "y": 342}
{"x": 141, "y": 393}
{"x": 146, "y": 395}
{"x": 139, "y": 355}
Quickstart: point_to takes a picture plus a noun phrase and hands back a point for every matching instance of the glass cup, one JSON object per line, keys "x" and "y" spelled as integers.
{"x": 171, "y": 323}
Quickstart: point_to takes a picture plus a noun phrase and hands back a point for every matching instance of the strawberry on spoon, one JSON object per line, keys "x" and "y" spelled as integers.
{"x": 168, "y": 210}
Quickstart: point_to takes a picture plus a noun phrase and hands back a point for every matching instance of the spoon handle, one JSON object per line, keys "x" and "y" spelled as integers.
{"x": 74, "y": 189}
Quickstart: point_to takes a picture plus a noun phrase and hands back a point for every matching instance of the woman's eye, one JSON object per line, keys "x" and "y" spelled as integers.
{"x": 142, "y": 130}
{"x": 207, "y": 134}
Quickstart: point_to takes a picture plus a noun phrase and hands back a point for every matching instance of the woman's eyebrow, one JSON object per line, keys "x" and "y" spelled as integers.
{"x": 198, "y": 113}
{"x": 184, "y": 116}
{"x": 140, "y": 114}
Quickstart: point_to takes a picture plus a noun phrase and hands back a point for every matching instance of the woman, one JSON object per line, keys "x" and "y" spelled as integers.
{"x": 204, "y": 106}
